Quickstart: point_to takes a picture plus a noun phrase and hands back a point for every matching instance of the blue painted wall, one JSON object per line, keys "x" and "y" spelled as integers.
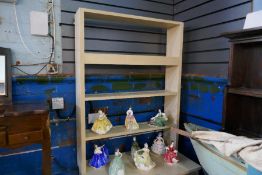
{"x": 202, "y": 99}
{"x": 202, "y": 104}
{"x": 42, "y": 88}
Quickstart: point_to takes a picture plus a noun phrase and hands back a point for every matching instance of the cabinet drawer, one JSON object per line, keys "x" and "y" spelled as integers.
{"x": 2, "y": 138}
{"x": 26, "y": 137}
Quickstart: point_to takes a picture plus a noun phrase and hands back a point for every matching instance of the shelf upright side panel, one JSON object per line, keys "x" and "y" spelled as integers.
{"x": 173, "y": 77}
{"x": 80, "y": 90}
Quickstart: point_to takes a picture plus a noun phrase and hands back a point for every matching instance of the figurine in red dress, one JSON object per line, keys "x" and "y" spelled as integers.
{"x": 171, "y": 154}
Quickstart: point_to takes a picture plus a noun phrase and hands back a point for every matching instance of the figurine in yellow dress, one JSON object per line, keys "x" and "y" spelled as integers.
{"x": 101, "y": 125}
{"x": 130, "y": 121}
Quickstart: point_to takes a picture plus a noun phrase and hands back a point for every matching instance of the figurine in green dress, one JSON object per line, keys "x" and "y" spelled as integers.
{"x": 159, "y": 120}
{"x": 117, "y": 166}
{"x": 134, "y": 147}
{"x": 143, "y": 160}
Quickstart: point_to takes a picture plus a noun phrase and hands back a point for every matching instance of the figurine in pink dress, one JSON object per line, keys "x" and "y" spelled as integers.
{"x": 171, "y": 154}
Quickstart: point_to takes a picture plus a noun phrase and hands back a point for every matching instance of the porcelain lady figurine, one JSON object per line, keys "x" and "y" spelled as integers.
{"x": 117, "y": 166}
{"x": 130, "y": 121}
{"x": 101, "y": 125}
{"x": 159, "y": 120}
{"x": 143, "y": 160}
{"x": 100, "y": 157}
{"x": 134, "y": 147}
{"x": 171, "y": 154}
{"x": 158, "y": 146}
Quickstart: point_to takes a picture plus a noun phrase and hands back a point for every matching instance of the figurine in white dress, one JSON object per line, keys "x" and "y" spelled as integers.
{"x": 159, "y": 146}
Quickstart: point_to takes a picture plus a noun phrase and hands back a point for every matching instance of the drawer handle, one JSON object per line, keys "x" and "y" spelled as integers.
{"x": 26, "y": 137}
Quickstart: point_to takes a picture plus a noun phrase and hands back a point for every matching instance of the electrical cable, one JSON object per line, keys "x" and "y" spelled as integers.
{"x": 54, "y": 24}
{"x": 57, "y": 111}
{"x": 29, "y": 51}
{"x": 50, "y": 61}
{"x": 21, "y": 37}
{"x": 28, "y": 73}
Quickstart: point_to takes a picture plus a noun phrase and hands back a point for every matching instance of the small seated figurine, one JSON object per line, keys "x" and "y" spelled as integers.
{"x": 117, "y": 165}
{"x": 143, "y": 160}
{"x": 100, "y": 157}
{"x": 171, "y": 154}
{"x": 101, "y": 125}
{"x": 130, "y": 121}
{"x": 159, "y": 146}
{"x": 134, "y": 147}
{"x": 159, "y": 120}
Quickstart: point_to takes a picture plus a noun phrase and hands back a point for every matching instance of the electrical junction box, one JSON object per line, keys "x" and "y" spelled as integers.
{"x": 39, "y": 23}
{"x": 58, "y": 103}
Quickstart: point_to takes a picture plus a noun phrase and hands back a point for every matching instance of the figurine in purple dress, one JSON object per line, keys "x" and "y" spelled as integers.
{"x": 100, "y": 157}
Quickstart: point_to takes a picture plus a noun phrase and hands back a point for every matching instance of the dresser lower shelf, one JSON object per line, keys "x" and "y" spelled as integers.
{"x": 185, "y": 166}
{"x": 118, "y": 131}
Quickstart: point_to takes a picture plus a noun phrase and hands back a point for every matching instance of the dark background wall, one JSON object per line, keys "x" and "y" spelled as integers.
{"x": 104, "y": 37}
{"x": 205, "y": 51}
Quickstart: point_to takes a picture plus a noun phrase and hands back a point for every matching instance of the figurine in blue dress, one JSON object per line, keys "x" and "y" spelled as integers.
{"x": 100, "y": 157}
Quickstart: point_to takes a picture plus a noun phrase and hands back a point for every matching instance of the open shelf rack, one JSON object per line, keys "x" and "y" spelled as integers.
{"x": 172, "y": 61}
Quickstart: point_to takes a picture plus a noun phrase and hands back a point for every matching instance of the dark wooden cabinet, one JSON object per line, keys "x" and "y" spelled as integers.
{"x": 22, "y": 125}
{"x": 243, "y": 100}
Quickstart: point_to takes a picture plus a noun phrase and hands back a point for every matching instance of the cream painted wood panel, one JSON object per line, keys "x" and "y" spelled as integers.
{"x": 126, "y": 95}
{"x": 131, "y": 19}
{"x": 80, "y": 92}
{"x": 121, "y": 59}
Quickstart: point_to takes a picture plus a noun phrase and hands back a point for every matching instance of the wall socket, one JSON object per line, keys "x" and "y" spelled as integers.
{"x": 58, "y": 103}
{"x": 52, "y": 68}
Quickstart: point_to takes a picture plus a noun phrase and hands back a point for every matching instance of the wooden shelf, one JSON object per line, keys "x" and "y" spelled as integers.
{"x": 123, "y": 59}
{"x": 125, "y": 18}
{"x": 246, "y": 92}
{"x": 183, "y": 167}
{"x": 118, "y": 131}
{"x": 126, "y": 95}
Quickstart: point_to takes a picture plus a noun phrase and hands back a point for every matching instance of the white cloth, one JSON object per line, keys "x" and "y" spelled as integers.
{"x": 249, "y": 150}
